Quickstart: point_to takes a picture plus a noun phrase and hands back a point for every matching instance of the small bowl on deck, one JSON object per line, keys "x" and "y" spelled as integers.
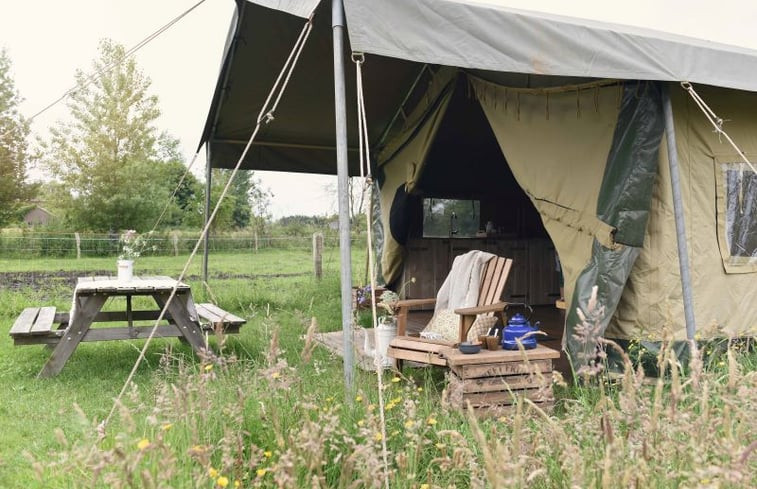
{"x": 468, "y": 348}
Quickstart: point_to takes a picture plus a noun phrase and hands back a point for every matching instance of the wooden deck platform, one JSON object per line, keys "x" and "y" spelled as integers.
{"x": 549, "y": 316}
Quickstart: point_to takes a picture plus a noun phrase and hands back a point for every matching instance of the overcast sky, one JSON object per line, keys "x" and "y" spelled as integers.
{"x": 47, "y": 40}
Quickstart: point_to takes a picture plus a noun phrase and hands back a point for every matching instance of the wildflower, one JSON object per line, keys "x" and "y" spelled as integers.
{"x": 143, "y": 443}
{"x": 440, "y": 446}
{"x": 371, "y": 408}
{"x": 261, "y": 472}
{"x": 268, "y": 454}
{"x": 222, "y": 481}
{"x": 378, "y": 436}
{"x": 361, "y": 422}
{"x": 419, "y": 389}
{"x": 358, "y": 398}
{"x": 409, "y": 423}
{"x": 395, "y": 380}
{"x": 209, "y": 367}
{"x": 166, "y": 426}
{"x": 237, "y": 484}
{"x": 431, "y": 421}
{"x": 213, "y": 473}
{"x": 276, "y": 375}
{"x": 424, "y": 486}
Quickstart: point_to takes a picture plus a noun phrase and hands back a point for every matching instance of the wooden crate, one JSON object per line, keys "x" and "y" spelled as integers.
{"x": 493, "y": 382}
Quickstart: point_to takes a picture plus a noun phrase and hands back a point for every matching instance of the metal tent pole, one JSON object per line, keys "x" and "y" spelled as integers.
{"x": 208, "y": 174}
{"x": 340, "y": 106}
{"x": 683, "y": 251}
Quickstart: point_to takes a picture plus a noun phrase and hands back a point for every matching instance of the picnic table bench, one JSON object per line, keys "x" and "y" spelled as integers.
{"x": 64, "y": 330}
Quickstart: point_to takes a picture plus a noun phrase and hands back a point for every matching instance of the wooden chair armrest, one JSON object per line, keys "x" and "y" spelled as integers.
{"x": 415, "y": 302}
{"x": 403, "y": 306}
{"x": 474, "y": 311}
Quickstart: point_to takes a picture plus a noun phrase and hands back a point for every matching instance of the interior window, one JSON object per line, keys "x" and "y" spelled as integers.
{"x": 443, "y": 218}
{"x": 737, "y": 215}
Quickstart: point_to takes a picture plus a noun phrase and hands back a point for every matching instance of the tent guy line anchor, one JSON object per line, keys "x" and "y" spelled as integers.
{"x": 716, "y": 121}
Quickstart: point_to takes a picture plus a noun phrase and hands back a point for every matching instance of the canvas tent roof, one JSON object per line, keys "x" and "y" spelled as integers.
{"x": 485, "y": 36}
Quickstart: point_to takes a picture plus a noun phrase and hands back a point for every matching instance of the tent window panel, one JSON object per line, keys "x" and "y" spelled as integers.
{"x": 443, "y": 218}
{"x": 738, "y": 215}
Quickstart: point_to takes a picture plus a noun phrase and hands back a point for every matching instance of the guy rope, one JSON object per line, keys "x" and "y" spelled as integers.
{"x": 266, "y": 116}
{"x": 365, "y": 173}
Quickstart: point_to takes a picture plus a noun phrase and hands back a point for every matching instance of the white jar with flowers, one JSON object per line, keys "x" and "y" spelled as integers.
{"x": 132, "y": 246}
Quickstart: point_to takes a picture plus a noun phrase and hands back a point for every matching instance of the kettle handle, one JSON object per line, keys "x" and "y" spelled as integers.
{"x": 524, "y": 305}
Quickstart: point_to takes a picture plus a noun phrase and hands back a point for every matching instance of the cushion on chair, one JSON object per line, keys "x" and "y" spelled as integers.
{"x": 481, "y": 326}
{"x": 445, "y": 323}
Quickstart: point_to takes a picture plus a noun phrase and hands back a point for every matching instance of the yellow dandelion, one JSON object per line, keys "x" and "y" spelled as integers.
{"x": 440, "y": 446}
{"x": 166, "y": 426}
{"x": 378, "y": 436}
{"x": 431, "y": 421}
{"x": 395, "y": 380}
{"x": 396, "y": 400}
{"x": 389, "y": 406}
{"x": 361, "y": 422}
{"x": 276, "y": 375}
{"x": 222, "y": 481}
{"x": 209, "y": 367}
{"x": 268, "y": 454}
{"x": 329, "y": 399}
{"x": 424, "y": 486}
{"x": 409, "y": 423}
{"x": 358, "y": 398}
{"x": 419, "y": 389}
{"x": 237, "y": 484}
{"x": 261, "y": 472}
{"x": 143, "y": 443}
{"x": 213, "y": 473}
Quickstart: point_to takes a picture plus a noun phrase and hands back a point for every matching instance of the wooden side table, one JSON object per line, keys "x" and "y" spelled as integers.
{"x": 492, "y": 381}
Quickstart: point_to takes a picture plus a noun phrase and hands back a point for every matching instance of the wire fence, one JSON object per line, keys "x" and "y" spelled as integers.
{"x": 26, "y": 244}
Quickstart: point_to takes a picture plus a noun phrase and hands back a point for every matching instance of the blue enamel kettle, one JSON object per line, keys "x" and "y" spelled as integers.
{"x": 517, "y": 327}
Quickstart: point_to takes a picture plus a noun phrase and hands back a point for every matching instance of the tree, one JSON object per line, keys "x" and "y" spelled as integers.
{"x": 187, "y": 205}
{"x": 245, "y": 205}
{"x": 15, "y": 191}
{"x": 110, "y": 156}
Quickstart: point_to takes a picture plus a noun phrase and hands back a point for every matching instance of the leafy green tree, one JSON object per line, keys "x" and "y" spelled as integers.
{"x": 245, "y": 206}
{"x": 15, "y": 191}
{"x": 110, "y": 157}
{"x": 186, "y": 207}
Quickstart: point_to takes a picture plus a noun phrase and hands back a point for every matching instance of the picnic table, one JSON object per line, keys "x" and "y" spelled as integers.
{"x": 63, "y": 331}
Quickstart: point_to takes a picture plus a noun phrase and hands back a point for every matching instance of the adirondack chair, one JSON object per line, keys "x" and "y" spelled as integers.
{"x": 404, "y": 347}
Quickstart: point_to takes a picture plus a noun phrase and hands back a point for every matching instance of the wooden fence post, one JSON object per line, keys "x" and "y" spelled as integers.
{"x": 175, "y": 241}
{"x": 318, "y": 254}
{"x": 78, "y": 245}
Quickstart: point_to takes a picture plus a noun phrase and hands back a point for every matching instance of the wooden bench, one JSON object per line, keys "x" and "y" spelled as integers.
{"x": 212, "y": 317}
{"x": 35, "y": 325}
{"x": 34, "y": 322}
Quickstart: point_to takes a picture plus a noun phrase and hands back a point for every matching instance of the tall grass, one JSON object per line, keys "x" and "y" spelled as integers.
{"x": 271, "y": 411}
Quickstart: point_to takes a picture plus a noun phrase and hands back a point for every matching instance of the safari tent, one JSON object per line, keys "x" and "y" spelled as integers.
{"x": 554, "y": 130}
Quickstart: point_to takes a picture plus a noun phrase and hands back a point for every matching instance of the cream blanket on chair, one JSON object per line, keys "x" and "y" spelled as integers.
{"x": 460, "y": 288}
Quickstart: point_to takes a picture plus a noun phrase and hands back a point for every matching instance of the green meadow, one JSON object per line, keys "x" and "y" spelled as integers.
{"x": 271, "y": 409}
